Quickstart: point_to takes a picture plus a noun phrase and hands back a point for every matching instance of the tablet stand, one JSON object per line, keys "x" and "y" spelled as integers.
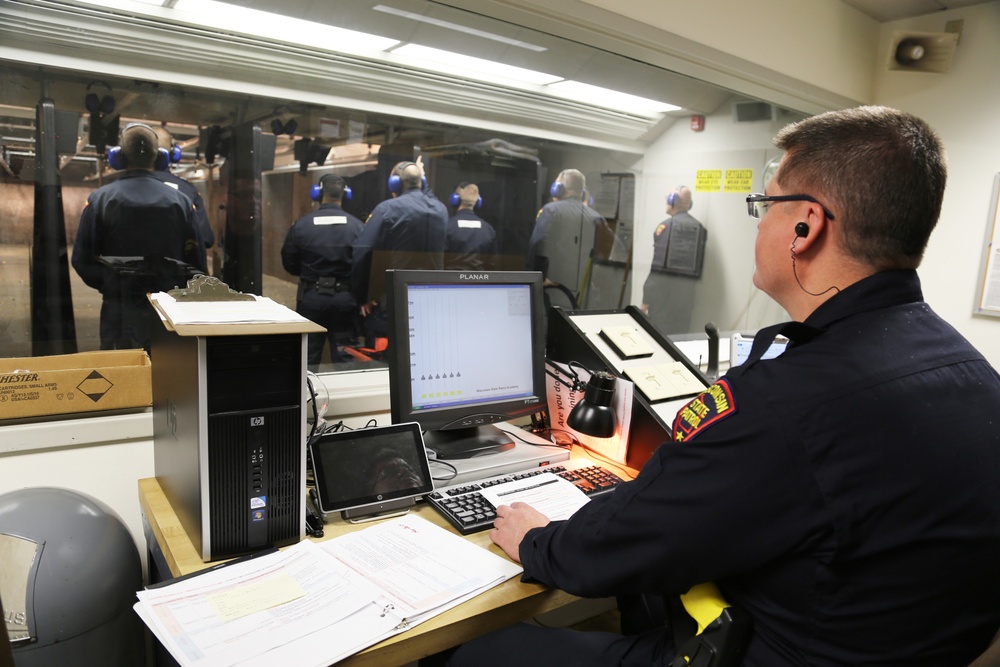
{"x": 384, "y": 510}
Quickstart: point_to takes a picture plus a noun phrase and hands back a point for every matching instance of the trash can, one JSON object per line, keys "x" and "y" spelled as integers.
{"x": 69, "y": 574}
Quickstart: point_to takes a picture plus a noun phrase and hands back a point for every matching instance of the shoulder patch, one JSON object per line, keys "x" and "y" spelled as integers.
{"x": 660, "y": 228}
{"x": 709, "y": 407}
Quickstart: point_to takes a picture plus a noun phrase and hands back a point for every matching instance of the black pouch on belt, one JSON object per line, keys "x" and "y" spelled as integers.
{"x": 326, "y": 286}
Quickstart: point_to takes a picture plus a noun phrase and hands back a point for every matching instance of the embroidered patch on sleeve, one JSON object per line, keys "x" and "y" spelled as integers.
{"x": 711, "y": 406}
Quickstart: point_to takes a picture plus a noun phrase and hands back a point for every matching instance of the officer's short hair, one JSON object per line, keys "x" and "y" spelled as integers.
{"x": 139, "y": 146}
{"x": 333, "y": 187}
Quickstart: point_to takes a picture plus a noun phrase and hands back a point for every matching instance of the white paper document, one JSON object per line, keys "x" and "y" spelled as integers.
{"x": 261, "y": 310}
{"x": 356, "y": 590}
{"x": 550, "y": 494}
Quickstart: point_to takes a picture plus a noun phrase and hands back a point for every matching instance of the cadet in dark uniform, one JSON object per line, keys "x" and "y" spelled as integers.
{"x": 470, "y": 242}
{"x": 843, "y": 494}
{"x": 668, "y": 293}
{"x": 405, "y": 232}
{"x": 318, "y": 249}
{"x": 135, "y": 216}
{"x": 202, "y": 224}
{"x": 562, "y": 243}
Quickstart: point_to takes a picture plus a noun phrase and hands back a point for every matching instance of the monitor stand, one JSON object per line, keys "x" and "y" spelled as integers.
{"x": 467, "y": 442}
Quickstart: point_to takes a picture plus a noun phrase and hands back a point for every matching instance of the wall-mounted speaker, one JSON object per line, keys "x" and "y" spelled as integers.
{"x": 746, "y": 112}
{"x": 922, "y": 51}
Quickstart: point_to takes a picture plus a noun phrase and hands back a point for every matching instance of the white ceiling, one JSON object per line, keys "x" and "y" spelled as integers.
{"x": 893, "y": 10}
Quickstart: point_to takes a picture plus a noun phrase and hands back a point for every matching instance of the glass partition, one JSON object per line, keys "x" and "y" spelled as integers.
{"x": 260, "y": 106}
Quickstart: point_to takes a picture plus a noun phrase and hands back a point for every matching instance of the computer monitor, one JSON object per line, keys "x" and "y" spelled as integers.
{"x": 466, "y": 350}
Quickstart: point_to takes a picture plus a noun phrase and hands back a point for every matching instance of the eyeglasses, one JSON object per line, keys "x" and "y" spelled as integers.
{"x": 757, "y": 204}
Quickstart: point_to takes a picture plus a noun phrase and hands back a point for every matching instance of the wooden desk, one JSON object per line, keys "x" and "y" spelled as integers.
{"x": 510, "y": 602}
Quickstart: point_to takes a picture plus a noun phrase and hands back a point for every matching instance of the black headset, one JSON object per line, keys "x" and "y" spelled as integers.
{"x": 99, "y": 104}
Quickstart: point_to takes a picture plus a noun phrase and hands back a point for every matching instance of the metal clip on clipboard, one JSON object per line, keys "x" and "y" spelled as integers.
{"x": 208, "y": 288}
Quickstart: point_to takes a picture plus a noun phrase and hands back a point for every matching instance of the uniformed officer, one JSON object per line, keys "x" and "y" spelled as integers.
{"x": 404, "y": 232}
{"x": 135, "y": 217}
{"x": 470, "y": 242}
{"x": 318, "y": 249}
{"x": 562, "y": 242}
{"x": 844, "y": 494}
{"x": 670, "y": 285}
{"x": 202, "y": 224}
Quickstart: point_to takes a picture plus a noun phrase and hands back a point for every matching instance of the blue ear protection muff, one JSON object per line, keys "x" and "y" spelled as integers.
{"x": 557, "y": 190}
{"x": 174, "y": 153}
{"x": 396, "y": 183}
{"x": 316, "y": 192}
{"x": 116, "y": 158}
{"x": 672, "y": 199}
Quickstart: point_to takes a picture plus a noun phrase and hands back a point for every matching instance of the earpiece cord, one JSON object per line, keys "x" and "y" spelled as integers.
{"x": 796, "y": 274}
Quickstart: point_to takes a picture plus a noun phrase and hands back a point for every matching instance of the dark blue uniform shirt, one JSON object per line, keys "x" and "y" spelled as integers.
{"x": 319, "y": 244}
{"x": 405, "y": 232}
{"x": 844, "y": 493}
{"x": 135, "y": 216}
{"x": 470, "y": 242}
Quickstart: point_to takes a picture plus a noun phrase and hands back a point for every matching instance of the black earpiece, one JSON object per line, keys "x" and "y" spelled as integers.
{"x": 801, "y": 229}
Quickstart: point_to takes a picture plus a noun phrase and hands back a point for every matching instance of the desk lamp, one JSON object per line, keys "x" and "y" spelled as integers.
{"x": 594, "y": 415}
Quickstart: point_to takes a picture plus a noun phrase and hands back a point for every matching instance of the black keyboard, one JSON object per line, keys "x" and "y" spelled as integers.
{"x": 468, "y": 511}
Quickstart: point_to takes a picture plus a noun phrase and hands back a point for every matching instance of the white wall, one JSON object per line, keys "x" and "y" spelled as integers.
{"x": 823, "y": 42}
{"x": 964, "y": 106}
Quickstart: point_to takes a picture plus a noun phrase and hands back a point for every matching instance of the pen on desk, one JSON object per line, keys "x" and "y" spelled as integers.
{"x": 525, "y": 488}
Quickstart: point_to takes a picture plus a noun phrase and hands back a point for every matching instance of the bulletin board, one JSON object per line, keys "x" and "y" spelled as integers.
{"x": 988, "y": 297}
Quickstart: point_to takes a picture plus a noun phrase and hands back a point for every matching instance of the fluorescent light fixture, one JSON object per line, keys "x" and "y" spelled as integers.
{"x": 448, "y": 25}
{"x": 232, "y": 18}
{"x": 457, "y": 64}
{"x": 158, "y": 3}
{"x": 610, "y": 99}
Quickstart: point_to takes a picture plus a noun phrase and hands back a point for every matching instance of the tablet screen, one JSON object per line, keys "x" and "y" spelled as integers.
{"x": 370, "y": 466}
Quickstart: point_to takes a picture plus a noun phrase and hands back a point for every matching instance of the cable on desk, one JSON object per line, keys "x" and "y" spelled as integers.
{"x": 454, "y": 470}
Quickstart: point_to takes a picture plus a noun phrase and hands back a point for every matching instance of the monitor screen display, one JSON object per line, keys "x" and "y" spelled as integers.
{"x": 467, "y": 350}
{"x": 740, "y": 346}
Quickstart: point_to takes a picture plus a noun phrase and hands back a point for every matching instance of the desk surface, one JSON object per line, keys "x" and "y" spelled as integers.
{"x": 510, "y": 602}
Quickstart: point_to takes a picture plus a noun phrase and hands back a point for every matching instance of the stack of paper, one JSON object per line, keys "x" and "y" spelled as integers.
{"x": 356, "y": 589}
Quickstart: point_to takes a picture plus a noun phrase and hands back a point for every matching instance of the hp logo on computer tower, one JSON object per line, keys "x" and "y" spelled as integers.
{"x": 256, "y": 421}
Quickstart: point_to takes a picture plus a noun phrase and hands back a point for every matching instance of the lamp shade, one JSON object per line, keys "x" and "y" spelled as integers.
{"x": 594, "y": 415}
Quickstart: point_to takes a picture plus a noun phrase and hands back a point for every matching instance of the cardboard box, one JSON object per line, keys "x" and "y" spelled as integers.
{"x": 67, "y": 383}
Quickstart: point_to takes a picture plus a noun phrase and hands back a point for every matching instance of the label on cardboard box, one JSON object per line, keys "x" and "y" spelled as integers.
{"x": 67, "y": 383}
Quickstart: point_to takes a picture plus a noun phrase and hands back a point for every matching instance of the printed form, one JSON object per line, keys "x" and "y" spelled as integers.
{"x": 357, "y": 589}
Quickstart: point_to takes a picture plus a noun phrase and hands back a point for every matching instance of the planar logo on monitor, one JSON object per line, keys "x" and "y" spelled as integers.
{"x": 474, "y": 276}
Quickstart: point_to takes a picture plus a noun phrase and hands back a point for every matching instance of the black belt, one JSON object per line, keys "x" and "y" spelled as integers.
{"x": 327, "y": 285}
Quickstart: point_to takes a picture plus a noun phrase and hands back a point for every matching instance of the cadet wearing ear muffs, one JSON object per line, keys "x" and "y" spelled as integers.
{"x": 405, "y": 232}
{"x": 318, "y": 251}
{"x": 135, "y": 216}
{"x": 470, "y": 242}
{"x": 668, "y": 292}
{"x": 562, "y": 242}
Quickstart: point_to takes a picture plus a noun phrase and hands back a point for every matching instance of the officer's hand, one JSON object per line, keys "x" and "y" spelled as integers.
{"x": 366, "y": 308}
{"x": 511, "y": 525}
{"x": 420, "y": 163}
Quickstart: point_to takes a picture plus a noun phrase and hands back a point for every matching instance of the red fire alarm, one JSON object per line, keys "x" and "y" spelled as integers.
{"x": 697, "y": 123}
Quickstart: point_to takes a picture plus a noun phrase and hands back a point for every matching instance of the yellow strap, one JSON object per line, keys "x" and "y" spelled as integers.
{"x": 704, "y": 604}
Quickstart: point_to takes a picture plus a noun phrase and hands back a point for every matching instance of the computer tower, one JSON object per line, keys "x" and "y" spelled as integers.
{"x": 229, "y": 429}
